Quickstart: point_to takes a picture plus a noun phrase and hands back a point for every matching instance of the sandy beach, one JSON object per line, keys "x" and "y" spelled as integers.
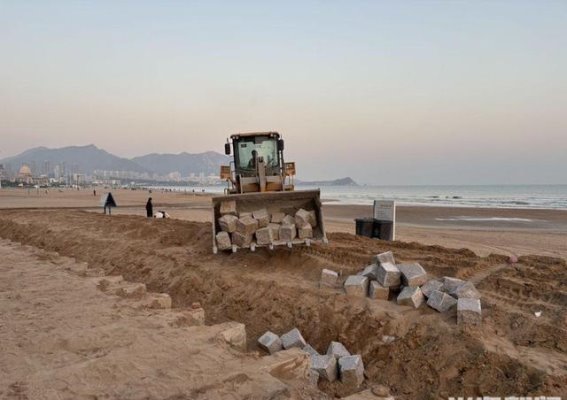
{"x": 47, "y": 236}
{"x": 482, "y": 230}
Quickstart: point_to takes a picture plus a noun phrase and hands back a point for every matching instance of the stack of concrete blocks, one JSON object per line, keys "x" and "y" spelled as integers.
{"x": 288, "y": 231}
{"x": 356, "y": 286}
{"x": 303, "y": 223}
{"x": 446, "y": 293}
{"x": 329, "y": 278}
{"x": 388, "y": 275}
{"x": 227, "y": 223}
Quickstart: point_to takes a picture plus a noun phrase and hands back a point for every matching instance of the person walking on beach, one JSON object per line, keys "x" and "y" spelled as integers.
{"x": 149, "y": 208}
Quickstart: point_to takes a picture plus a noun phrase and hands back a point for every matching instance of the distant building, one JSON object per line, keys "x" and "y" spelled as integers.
{"x": 25, "y": 175}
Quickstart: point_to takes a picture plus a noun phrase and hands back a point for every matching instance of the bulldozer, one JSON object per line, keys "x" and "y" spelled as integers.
{"x": 261, "y": 190}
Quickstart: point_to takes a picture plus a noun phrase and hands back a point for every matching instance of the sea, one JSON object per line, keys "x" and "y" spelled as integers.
{"x": 483, "y": 196}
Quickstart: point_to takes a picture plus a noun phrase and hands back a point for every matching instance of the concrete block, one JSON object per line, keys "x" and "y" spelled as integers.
{"x": 293, "y": 338}
{"x": 378, "y": 292}
{"x": 246, "y": 225}
{"x": 287, "y": 232}
{"x": 387, "y": 257}
{"x": 131, "y": 291}
{"x": 450, "y": 285}
{"x": 288, "y": 220}
{"x": 234, "y": 333}
{"x": 356, "y": 285}
{"x": 325, "y": 366}
{"x": 227, "y": 223}
{"x": 440, "y": 301}
{"x": 241, "y": 240}
{"x": 302, "y": 217}
{"x": 411, "y": 296}
{"x": 412, "y": 274}
{"x": 264, "y": 236}
{"x": 430, "y": 286}
{"x": 469, "y": 311}
{"x": 244, "y": 214}
{"x": 313, "y": 218}
{"x": 195, "y": 316}
{"x": 305, "y": 231}
{"x": 277, "y": 217}
{"x": 228, "y": 207}
{"x": 351, "y": 371}
{"x": 262, "y": 217}
{"x": 275, "y": 228}
{"x": 310, "y": 350}
{"x": 329, "y": 278}
{"x": 337, "y": 350}
{"x": 388, "y": 275}
{"x": 371, "y": 272}
{"x": 467, "y": 291}
{"x": 270, "y": 342}
{"x": 223, "y": 241}
{"x": 160, "y": 301}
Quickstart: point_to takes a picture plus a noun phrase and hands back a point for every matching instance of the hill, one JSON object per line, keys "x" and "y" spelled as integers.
{"x": 348, "y": 181}
{"x": 185, "y": 163}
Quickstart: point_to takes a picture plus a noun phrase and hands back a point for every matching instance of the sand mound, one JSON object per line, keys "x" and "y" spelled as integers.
{"x": 513, "y": 351}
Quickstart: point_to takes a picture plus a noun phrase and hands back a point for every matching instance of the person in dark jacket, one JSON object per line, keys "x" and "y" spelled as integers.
{"x": 149, "y": 208}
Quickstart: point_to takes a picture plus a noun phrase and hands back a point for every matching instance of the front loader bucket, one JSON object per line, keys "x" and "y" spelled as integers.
{"x": 285, "y": 202}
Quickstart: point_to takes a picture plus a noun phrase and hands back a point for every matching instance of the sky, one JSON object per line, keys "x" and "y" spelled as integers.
{"x": 387, "y": 92}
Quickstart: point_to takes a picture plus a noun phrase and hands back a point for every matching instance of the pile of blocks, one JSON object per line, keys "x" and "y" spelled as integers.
{"x": 337, "y": 363}
{"x": 260, "y": 227}
{"x": 412, "y": 287}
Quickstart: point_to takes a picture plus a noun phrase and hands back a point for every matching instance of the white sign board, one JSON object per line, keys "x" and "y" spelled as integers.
{"x": 385, "y": 210}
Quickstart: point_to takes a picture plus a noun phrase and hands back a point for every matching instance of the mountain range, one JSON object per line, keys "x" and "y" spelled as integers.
{"x": 87, "y": 159}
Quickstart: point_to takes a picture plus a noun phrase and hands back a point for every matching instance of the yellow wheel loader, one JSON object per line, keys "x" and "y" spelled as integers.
{"x": 260, "y": 206}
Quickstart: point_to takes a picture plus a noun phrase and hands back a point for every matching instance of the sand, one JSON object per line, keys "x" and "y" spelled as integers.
{"x": 513, "y": 352}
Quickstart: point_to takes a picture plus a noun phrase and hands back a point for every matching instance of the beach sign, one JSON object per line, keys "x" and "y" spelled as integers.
{"x": 385, "y": 210}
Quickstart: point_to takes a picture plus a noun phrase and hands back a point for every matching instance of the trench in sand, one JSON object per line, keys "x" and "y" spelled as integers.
{"x": 279, "y": 290}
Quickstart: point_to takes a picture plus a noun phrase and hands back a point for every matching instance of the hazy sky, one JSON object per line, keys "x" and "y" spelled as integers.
{"x": 386, "y": 92}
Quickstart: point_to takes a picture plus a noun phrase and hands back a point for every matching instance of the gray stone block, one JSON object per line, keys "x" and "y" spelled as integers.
{"x": 450, "y": 285}
{"x": 378, "y": 292}
{"x": 430, "y": 286}
{"x": 329, "y": 278}
{"x": 227, "y": 223}
{"x": 292, "y": 339}
{"x": 228, "y": 207}
{"x": 469, "y": 311}
{"x": 356, "y": 285}
{"x": 325, "y": 366}
{"x": 223, "y": 241}
{"x": 262, "y": 217}
{"x": 264, "y": 236}
{"x": 305, "y": 231}
{"x": 412, "y": 274}
{"x": 351, "y": 371}
{"x": 411, "y": 296}
{"x": 241, "y": 240}
{"x": 287, "y": 232}
{"x": 277, "y": 217}
{"x": 270, "y": 342}
{"x": 288, "y": 220}
{"x": 371, "y": 272}
{"x": 467, "y": 291}
{"x": 337, "y": 350}
{"x": 388, "y": 275}
{"x": 440, "y": 301}
{"x": 275, "y": 228}
{"x": 246, "y": 225}
{"x": 387, "y": 257}
{"x": 313, "y": 218}
{"x": 302, "y": 217}
{"x": 310, "y": 350}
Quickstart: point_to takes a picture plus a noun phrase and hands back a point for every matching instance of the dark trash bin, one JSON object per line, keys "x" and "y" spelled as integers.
{"x": 365, "y": 227}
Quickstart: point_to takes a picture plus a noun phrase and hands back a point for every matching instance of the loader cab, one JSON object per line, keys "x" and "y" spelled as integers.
{"x": 258, "y": 162}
